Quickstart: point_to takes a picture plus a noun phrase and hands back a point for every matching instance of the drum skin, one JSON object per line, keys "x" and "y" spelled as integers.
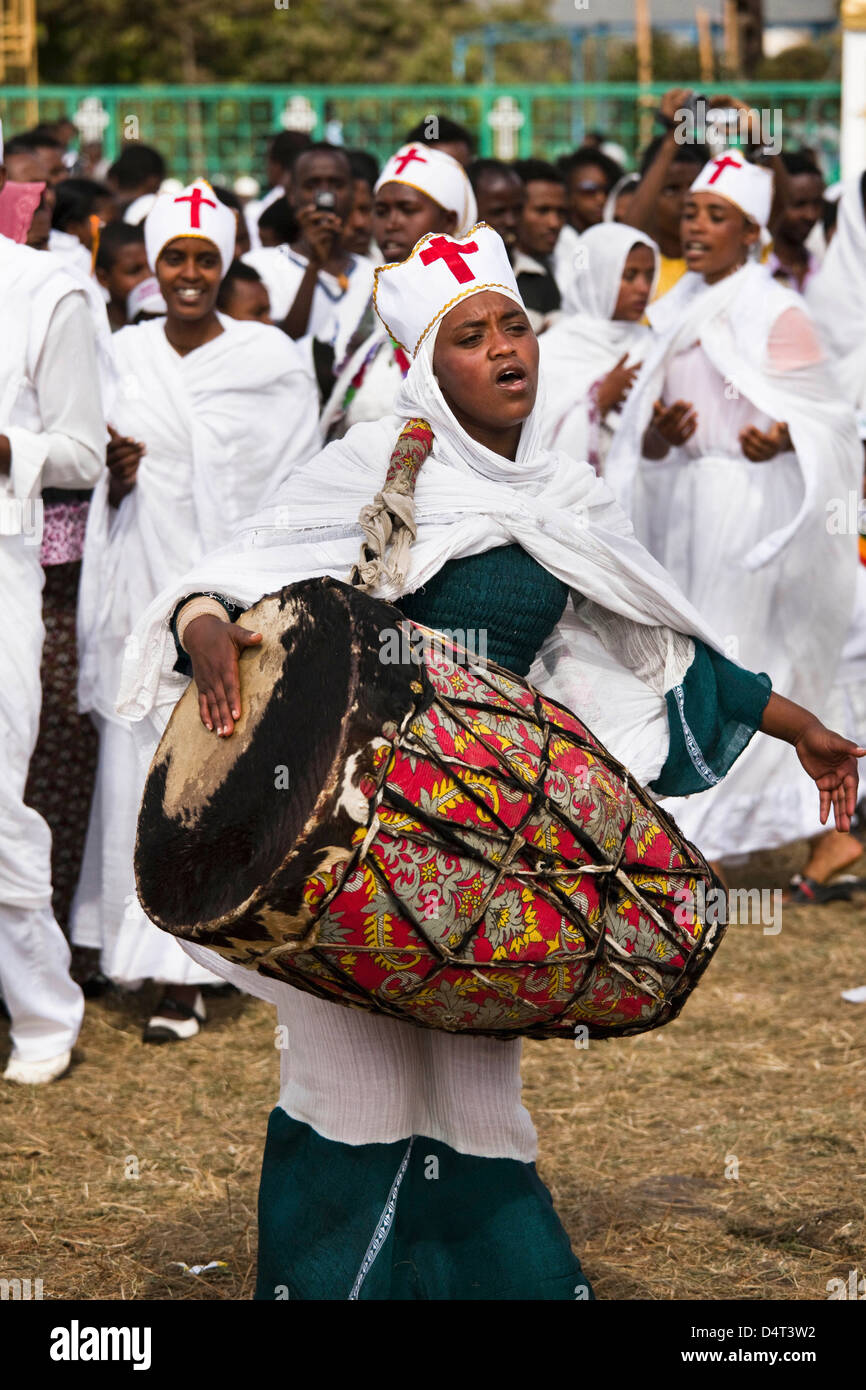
{"x": 426, "y": 839}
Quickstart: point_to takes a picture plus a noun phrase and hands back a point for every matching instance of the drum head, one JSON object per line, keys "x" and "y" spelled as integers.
{"x": 220, "y": 815}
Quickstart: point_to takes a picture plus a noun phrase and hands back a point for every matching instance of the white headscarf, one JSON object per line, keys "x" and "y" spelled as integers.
{"x": 597, "y": 270}
{"x": 583, "y": 345}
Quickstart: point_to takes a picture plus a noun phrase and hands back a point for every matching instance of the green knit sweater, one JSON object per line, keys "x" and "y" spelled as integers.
{"x": 505, "y": 597}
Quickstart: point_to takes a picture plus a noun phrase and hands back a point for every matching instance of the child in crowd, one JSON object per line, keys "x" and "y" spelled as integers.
{"x": 121, "y": 263}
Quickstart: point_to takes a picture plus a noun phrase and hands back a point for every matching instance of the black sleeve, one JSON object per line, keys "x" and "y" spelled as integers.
{"x": 183, "y": 665}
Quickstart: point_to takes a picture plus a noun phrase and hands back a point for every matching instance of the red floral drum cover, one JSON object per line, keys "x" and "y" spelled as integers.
{"x": 463, "y": 853}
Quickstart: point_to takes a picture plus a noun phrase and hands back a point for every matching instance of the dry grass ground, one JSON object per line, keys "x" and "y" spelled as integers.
{"x": 763, "y": 1075}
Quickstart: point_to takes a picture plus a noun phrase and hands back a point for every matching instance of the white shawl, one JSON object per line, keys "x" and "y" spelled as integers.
{"x": 836, "y": 296}
{"x": 31, "y": 286}
{"x": 615, "y": 655}
{"x": 223, "y": 427}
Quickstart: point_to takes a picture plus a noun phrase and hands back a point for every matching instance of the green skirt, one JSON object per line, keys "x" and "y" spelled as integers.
{"x": 409, "y": 1220}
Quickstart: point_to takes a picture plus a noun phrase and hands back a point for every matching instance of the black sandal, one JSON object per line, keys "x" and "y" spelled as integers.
{"x": 802, "y": 889}
{"x": 172, "y": 1020}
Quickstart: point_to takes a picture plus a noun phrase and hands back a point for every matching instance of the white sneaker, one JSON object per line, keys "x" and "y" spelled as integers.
{"x": 37, "y": 1073}
{"x": 175, "y": 1022}
{"x": 855, "y": 996}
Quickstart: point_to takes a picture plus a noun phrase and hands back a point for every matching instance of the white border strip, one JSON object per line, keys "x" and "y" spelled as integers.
{"x": 383, "y": 1226}
{"x": 694, "y": 751}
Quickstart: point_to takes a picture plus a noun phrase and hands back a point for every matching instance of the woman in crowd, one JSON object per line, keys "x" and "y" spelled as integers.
{"x": 209, "y": 415}
{"x": 591, "y": 357}
{"x": 732, "y": 446}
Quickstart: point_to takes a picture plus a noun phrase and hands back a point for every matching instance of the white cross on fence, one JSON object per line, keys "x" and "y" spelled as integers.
{"x": 505, "y": 119}
{"x": 90, "y": 119}
{"x": 299, "y": 114}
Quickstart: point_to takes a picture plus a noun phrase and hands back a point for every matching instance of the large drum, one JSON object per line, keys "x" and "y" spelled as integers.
{"x": 398, "y": 828}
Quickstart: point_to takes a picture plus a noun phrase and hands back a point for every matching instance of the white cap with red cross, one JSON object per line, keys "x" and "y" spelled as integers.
{"x": 195, "y": 211}
{"x": 435, "y": 173}
{"x": 747, "y": 186}
{"x": 411, "y": 296}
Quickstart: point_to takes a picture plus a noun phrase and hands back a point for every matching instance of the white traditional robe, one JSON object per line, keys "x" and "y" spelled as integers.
{"x": 750, "y": 544}
{"x": 563, "y": 261}
{"x": 75, "y": 259}
{"x": 334, "y": 313}
{"x": 51, "y": 412}
{"x": 223, "y": 428}
{"x": 836, "y": 297}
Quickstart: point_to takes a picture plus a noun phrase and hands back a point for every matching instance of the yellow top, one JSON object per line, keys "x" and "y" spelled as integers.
{"x": 853, "y": 14}
{"x": 671, "y": 269}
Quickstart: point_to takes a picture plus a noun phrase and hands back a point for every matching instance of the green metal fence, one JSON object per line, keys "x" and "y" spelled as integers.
{"x": 221, "y": 130}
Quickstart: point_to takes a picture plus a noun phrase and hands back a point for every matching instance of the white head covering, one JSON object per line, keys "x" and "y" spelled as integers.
{"x": 139, "y": 208}
{"x": 747, "y": 186}
{"x": 412, "y": 296}
{"x": 197, "y": 211}
{"x": 626, "y": 184}
{"x": 435, "y": 173}
{"x": 597, "y": 268}
{"x": 145, "y": 297}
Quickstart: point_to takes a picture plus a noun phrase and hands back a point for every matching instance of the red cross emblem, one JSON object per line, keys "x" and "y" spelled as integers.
{"x": 441, "y": 249}
{"x": 195, "y": 200}
{"x": 401, "y": 160}
{"x": 720, "y": 165}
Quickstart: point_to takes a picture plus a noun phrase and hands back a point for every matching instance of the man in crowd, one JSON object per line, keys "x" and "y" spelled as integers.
{"x": 541, "y": 221}
{"x": 589, "y": 176}
{"x": 790, "y": 259}
{"x": 318, "y": 290}
{"x": 51, "y": 435}
{"x": 500, "y": 194}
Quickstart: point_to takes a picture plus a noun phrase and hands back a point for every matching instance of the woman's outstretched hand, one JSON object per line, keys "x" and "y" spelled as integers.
{"x": 831, "y": 762}
{"x": 214, "y": 647}
{"x": 829, "y": 759}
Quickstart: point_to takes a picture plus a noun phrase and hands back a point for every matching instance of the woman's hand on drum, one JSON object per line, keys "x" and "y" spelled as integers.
{"x": 214, "y": 647}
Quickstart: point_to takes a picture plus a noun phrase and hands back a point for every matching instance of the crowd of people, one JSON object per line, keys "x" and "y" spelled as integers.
{"x": 180, "y": 356}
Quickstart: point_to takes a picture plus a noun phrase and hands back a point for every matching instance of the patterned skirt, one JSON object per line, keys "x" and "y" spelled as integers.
{"x": 63, "y": 766}
{"x": 409, "y": 1220}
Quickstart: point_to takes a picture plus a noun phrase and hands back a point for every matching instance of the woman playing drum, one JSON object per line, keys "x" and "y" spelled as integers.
{"x": 400, "y": 1160}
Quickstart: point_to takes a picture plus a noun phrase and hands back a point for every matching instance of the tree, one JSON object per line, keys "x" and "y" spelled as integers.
{"x": 384, "y": 42}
